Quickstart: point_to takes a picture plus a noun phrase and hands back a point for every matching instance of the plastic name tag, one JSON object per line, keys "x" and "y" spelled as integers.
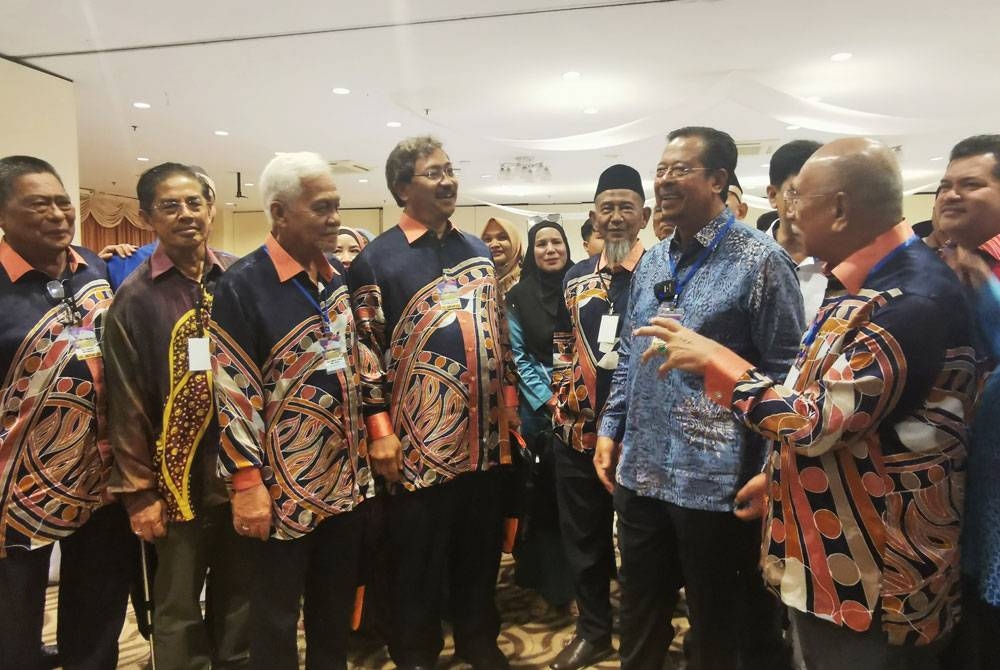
{"x": 199, "y": 356}
{"x": 334, "y": 350}
{"x": 608, "y": 332}
{"x": 667, "y": 310}
{"x": 85, "y": 344}
{"x": 448, "y": 294}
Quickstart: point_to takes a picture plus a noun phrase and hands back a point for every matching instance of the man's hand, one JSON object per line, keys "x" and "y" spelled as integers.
{"x": 120, "y": 250}
{"x": 606, "y": 453}
{"x": 752, "y": 498}
{"x": 252, "y": 512}
{"x": 970, "y": 268}
{"x": 513, "y": 418}
{"x": 682, "y": 348}
{"x": 386, "y": 457}
{"x": 147, "y": 515}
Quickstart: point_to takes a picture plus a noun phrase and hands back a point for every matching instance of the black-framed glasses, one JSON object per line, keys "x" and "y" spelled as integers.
{"x": 678, "y": 171}
{"x": 437, "y": 174}
{"x": 194, "y": 205}
{"x": 62, "y": 292}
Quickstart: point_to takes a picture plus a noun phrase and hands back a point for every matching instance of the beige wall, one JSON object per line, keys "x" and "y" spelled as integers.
{"x": 240, "y": 232}
{"x": 38, "y": 118}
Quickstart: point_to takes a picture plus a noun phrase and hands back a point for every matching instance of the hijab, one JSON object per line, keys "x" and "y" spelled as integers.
{"x": 510, "y": 272}
{"x": 536, "y": 296}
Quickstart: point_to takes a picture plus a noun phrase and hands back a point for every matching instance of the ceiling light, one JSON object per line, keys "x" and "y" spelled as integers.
{"x": 814, "y": 98}
{"x": 938, "y": 158}
{"x": 486, "y": 176}
{"x": 765, "y": 165}
{"x": 362, "y": 181}
{"x": 340, "y": 90}
{"x": 571, "y": 75}
{"x": 229, "y": 204}
{"x": 792, "y": 127}
{"x": 141, "y": 105}
{"x": 221, "y": 133}
{"x": 590, "y": 110}
{"x": 841, "y": 56}
{"x": 393, "y": 124}
{"x": 142, "y": 159}
{"x": 248, "y": 183}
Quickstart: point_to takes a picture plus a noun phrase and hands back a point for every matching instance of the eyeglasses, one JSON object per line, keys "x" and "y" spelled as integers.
{"x": 678, "y": 171}
{"x": 58, "y": 293}
{"x": 173, "y": 207}
{"x": 792, "y": 197}
{"x": 437, "y": 174}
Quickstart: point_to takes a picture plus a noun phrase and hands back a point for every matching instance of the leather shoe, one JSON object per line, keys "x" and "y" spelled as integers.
{"x": 580, "y": 653}
{"x": 50, "y": 656}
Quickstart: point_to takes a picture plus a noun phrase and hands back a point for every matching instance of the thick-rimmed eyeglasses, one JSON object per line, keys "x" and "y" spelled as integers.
{"x": 60, "y": 292}
{"x": 173, "y": 207}
{"x": 437, "y": 174}
{"x": 678, "y": 171}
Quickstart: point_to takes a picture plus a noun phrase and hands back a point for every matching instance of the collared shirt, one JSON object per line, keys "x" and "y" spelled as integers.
{"x": 428, "y": 308}
{"x": 676, "y": 445}
{"x": 868, "y": 473}
{"x": 54, "y": 459}
{"x": 590, "y": 289}
{"x": 285, "y": 420}
{"x": 163, "y": 426}
{"x": 119, "y": 268}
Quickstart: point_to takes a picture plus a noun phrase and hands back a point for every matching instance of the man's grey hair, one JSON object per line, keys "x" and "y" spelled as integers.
{"x": 282, "y": 178}
{"x": 399, "y": 167}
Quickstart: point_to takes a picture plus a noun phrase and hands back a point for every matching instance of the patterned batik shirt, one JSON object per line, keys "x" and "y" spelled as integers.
{"x": 676, "y": 445}
{"x": 590, "y": 288}
{"x": 54, "y": 459}
{"x": 285, "y": 419}
{"x": 868, "y": 474}
{"x": 428, "y": 309}
{"x": 163, "y": 427}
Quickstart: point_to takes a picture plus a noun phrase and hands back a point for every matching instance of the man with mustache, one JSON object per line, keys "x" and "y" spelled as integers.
{"x": 164, "y": 432}
{"x": 682, "y": 458}
{"x": 588, "y": 321}
{"x": 439, "y": 407}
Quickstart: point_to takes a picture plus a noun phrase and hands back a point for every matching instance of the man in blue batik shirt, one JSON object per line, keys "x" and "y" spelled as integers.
{"x": 683, "y": 458}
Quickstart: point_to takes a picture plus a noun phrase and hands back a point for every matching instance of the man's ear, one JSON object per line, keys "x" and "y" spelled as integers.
{"x": 277, "y": 213}
{"x": 646, "y": 213}
{"x": 144, "y": 217}
{"x": 841, "y": 212}
{"x": 772, "y": 196}
{"x": 742, "y": 213}
{"x": 401, "y": 191}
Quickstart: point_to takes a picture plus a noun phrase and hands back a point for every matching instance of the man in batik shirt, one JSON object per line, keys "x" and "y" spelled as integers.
{"x": 293, "y": 437}
{"x": 438, "y": 409}
{"x": 54, "y": 457}
{"x": 866, "y": 479}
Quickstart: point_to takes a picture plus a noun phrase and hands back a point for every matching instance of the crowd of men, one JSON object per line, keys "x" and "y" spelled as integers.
{"x": 795, "y": 426}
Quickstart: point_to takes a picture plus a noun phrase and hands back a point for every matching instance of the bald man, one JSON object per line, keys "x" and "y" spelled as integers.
{"x": 865, "y": 481}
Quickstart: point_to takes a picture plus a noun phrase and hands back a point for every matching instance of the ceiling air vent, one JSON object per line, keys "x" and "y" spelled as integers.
{"x": 757, "y": 147}
{"x": 348, "y": 167}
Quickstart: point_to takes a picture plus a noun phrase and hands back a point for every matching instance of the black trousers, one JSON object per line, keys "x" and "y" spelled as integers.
{"x": 586, "y": 517}
{"x": 320, "y": 571}
{"x": 98, "y": 564}
{"x": 444, "y": 541}
{"x": 662, "y": 544}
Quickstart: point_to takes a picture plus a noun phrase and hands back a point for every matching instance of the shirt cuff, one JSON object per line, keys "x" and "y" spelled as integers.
{"x": 246, "y": 478}
{"x": 378, "y": 425}
{"x": 509, "y": 396}
{"x": 721, "y": 375}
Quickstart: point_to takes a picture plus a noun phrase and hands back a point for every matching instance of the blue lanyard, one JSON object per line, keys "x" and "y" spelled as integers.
{"x": 702, "y": 257}
{"x": 327, "y": 328}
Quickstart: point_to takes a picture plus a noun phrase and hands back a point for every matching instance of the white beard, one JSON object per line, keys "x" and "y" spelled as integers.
{"x": 616, "y": 251}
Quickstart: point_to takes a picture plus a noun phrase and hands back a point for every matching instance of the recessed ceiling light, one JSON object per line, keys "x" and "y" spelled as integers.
{"x": 486, "y": 176}
{"x": 340, "y": 90}
{"x": 813, "y": 98}
{"x": 572, "y": 75}
{"x": 229, "y": 204}
{"x": 792, "y": 127}
{"x": 841, "y": 56}
{"x": 393, "y": 124}
{"x": 938, "y": 158}
{"x": 142, "y": 159}
{"x": 248, "y": 183}
{"x": 362, "y": 181}
{"x": 141, "y": 105}
{"x": 765, "y": 165}
{"x": 221, "y": 133}
{"x": 590, "y": 110}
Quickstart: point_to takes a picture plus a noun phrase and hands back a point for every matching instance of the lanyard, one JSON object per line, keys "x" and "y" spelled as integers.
{"x": 680, "y": 283}
{"x": 327, "y": 328}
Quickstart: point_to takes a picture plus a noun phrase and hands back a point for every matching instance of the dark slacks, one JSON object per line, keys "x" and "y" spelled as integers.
{"x": 208, "y": 552}
{"x": 318, "y": 570}
{"x": 662, "y": 546}
{"x": 98, "y": 564}
{"x": 586, "y": 517}
{"x": 444, "y": 540}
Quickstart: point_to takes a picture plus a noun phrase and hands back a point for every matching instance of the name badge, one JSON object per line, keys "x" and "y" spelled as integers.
{"x": 669, "y": 310}
{"x": 334, "y": 351}
{"x": 608, "y": 332}
{"x": 85, "y": 344}
{"x": 448, "y": 294}
{"x": 199, "y": 356}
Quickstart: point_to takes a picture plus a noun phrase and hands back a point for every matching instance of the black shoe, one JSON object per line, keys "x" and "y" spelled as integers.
{"x": 580, "y": 653}
{"x": 50, "y": 656}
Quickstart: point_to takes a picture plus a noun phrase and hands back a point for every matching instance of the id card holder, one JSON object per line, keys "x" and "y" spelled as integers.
{"x": 199, "y": 355}
{"x": 607, "y": 334}
{"x": 85, "y": 344}
{"x": 668, "y": 310}
{"x": 448, "y": 294}
{"x": 334, "y": 350}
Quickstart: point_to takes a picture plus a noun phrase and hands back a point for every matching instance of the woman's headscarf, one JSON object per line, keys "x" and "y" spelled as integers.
{"x": 357, "y": 236}
{"x": 536, "y": 296}
{"x": 510, "y": 273}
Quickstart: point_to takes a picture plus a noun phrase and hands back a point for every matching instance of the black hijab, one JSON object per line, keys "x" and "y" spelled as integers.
{"x": 536, "y": 296}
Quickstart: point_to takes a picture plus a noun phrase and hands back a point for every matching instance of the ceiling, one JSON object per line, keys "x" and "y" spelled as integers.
{"x": 486, "y": 76}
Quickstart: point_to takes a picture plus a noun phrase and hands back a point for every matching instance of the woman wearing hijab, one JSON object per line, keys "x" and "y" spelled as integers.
{"x": 349, "y": 244}
{"x": 531, "y": 313}
{"x": 504, "y": 243}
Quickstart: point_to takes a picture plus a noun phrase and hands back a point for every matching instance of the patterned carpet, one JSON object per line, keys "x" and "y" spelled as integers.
{"x": 531, "y": 634}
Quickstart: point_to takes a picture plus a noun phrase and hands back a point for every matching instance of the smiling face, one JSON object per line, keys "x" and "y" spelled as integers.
{"x": 499, "y": 243}
{"x": 550, "y": 250}
{"x": 179, "y": 213}
{"x": 38, "y": 218}
{"x": 689, "y": 201}
{"x": 968, "y": 203}
{"x": 429, "y": 201}
{"x": 347, "y": 249}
